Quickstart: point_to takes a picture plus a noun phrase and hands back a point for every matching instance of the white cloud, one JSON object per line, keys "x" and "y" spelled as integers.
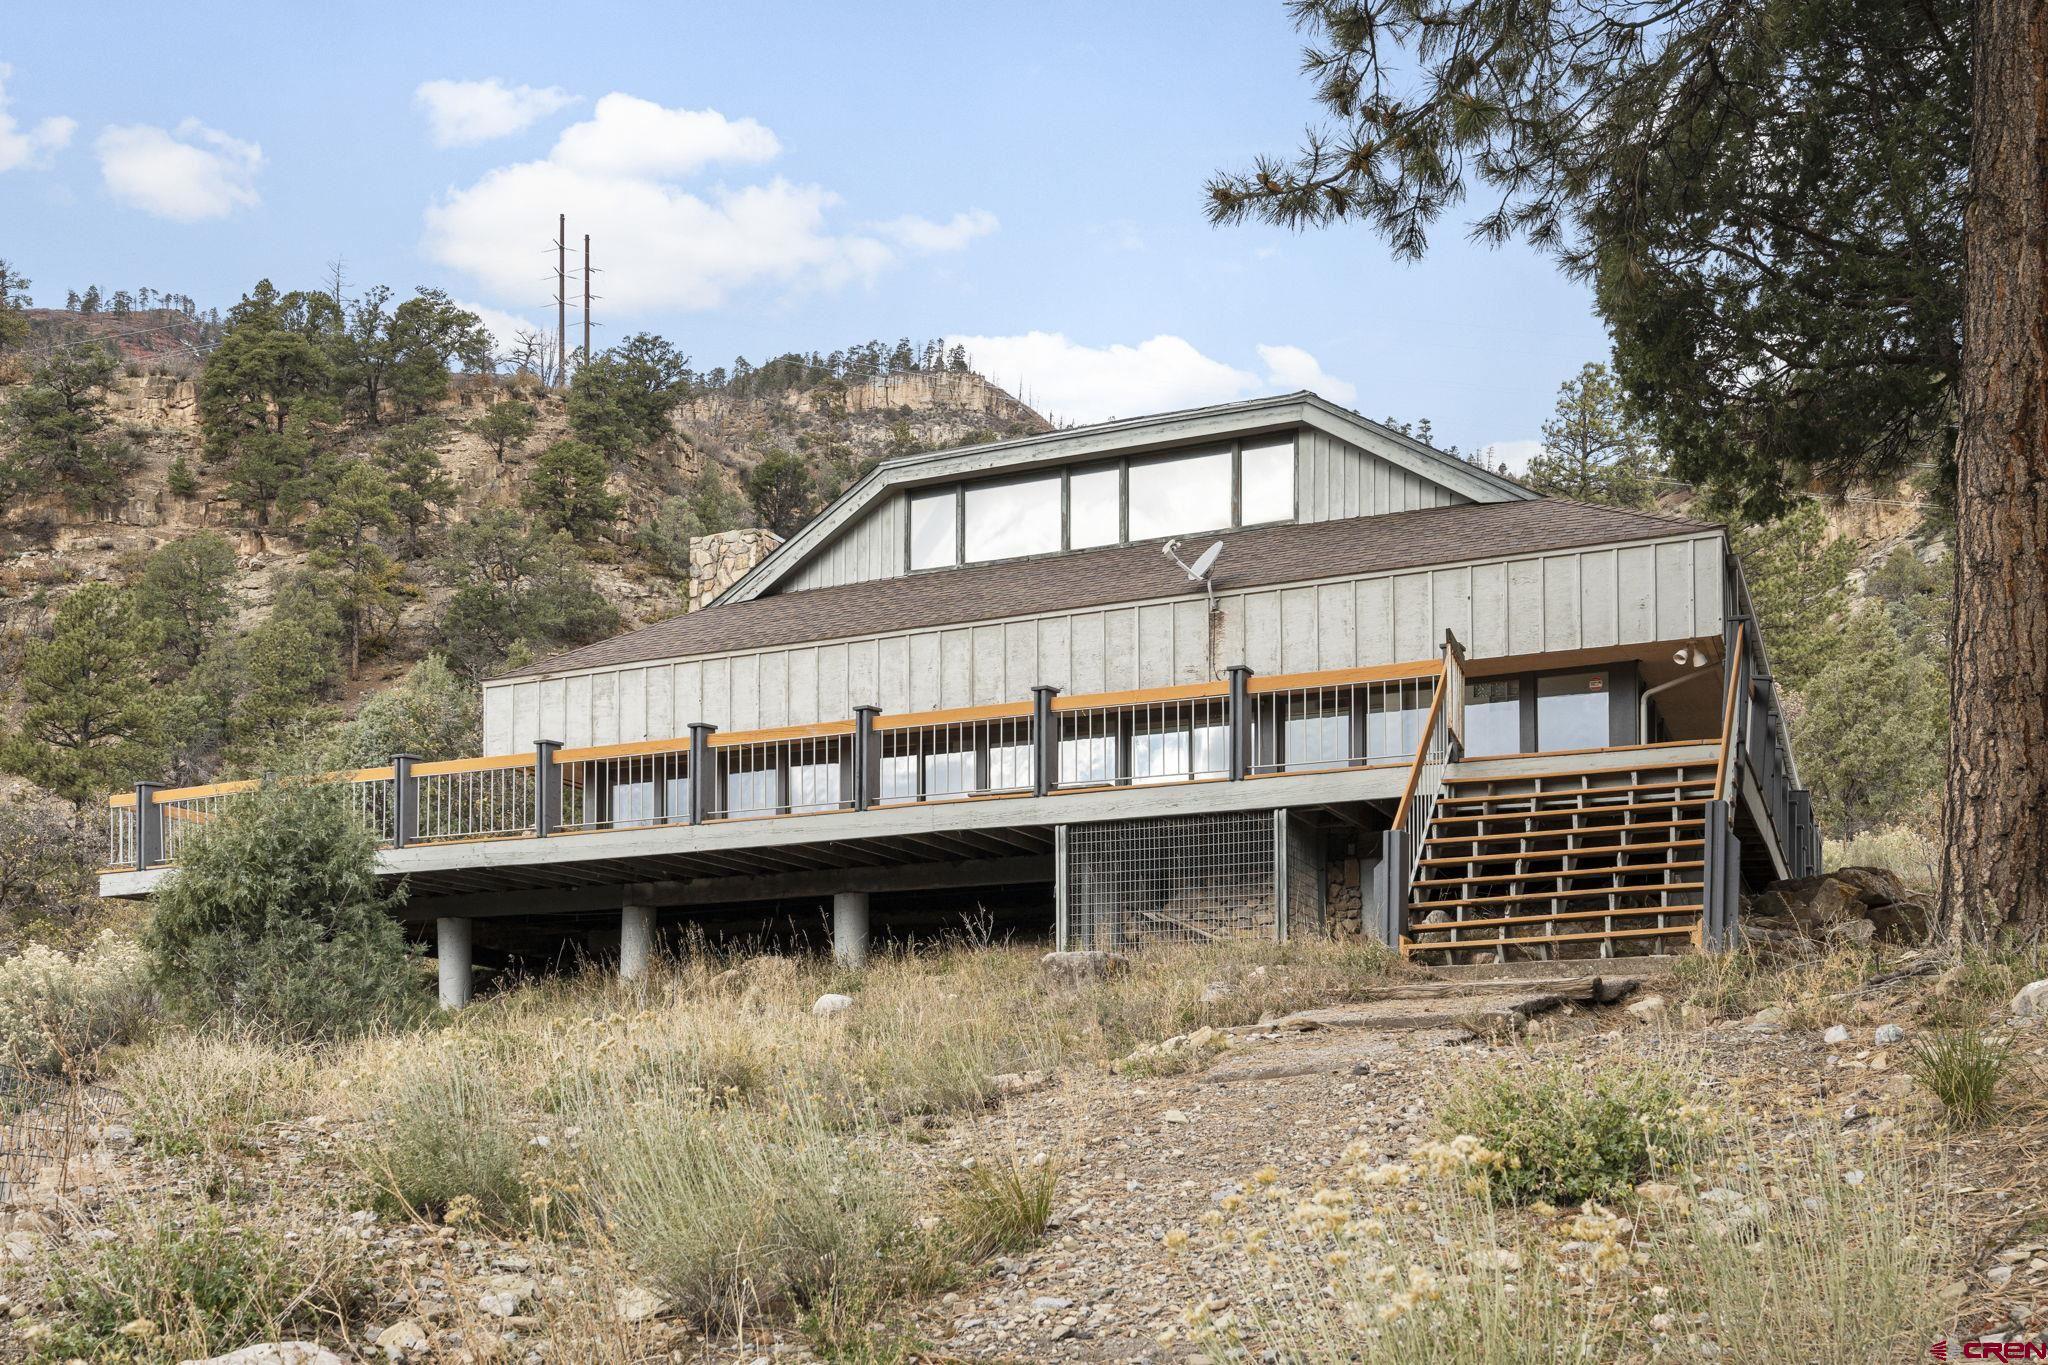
{"x": 1290, "y": 367}
{"x": 922, "y": 234}
{"x": 195, "y": 173}
{"x": 463, "y": 113}
{"x": 659, "y": 244}
{"x": 505, "y": 327}
{"x": 631, "y": 136}
{"x": 28, "y": 146}
{"x": 1081, "y": 383}
{"x": 1514, "y": 454}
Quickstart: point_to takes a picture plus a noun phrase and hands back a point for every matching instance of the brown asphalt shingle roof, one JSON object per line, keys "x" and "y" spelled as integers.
{"x": 1124, "y": 573}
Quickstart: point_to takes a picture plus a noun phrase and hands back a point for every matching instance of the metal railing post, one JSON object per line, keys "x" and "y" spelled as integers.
{"x": 1390, "y": 886}
{"x": 1239, "y": 717}
{"x": 1045, "y": 741}
{"x": 867, "y": 758}
{"x": 149, "y": 826}
{"x": 405, "y": 801}
{"x": 700, "y": 775}
{"x": 547, "y": 788}
{"x": 1721, "y": 878}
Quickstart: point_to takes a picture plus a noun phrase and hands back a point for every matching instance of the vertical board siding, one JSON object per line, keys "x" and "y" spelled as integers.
{"x": 1335, "y": 479}
{"x": 1592, "y": 598}
{"x": 873, "y": 547}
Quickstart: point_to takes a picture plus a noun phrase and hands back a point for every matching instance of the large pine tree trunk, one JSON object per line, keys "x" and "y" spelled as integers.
{"x": 1995, "y": 870}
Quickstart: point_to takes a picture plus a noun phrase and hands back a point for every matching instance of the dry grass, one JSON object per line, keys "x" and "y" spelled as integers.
{"x": 1822, "y": 1247}
{"x": 193, "y": 1094}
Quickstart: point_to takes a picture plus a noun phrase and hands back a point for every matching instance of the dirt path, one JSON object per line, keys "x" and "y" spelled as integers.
{"x": 1145, "y": 1156}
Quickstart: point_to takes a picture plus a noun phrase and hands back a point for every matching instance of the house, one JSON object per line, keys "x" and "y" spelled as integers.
{"x": 1260, "y": 668}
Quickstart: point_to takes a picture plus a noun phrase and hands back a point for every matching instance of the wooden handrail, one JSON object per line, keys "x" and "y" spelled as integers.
{"x": 1436, "y": 708}
{"x": 823, "y": 730}
{"x": 1728, "y": 714}
{"x": 445, "y": 766}
{"x": 1339, "y": 677}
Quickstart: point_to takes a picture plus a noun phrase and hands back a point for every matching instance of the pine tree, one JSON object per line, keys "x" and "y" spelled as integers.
{"x": 89, "y": 723}
{"x": 783, "y": 492}
{"x": 505, "y": 427}
{"x": 1873, "y": 729}
{"x": 1593, "y": 448}
{"x": 345, "y": 536}
{"x": 183, "y": 595}
{"x": 60, "y": 430}
{"x": 567, "y": 491}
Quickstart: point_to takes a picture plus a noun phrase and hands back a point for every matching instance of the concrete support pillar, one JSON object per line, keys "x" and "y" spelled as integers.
{"x": 636, "y": 941}
{"x": 451, "y": 950}
{"x": 850, "y": 928}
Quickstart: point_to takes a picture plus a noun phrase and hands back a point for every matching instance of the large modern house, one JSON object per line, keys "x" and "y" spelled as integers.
{"x": 1264, "y": 668}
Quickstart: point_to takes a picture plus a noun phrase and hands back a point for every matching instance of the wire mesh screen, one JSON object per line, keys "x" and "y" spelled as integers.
{"x": 1185, "y": 879}
{"x": 1307, "y": 887}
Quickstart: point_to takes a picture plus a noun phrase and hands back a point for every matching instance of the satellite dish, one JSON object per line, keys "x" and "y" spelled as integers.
{"x": 1200, "y": 568}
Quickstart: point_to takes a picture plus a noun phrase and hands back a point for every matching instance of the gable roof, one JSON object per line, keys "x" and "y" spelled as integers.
{"x": 1287, "y": 553}
{"x": 1132, "y": 435}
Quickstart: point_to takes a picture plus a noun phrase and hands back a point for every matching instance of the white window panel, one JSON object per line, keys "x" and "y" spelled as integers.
{"x": 1094, "y": 507}
{"x": 1012, "y": 518}
{"x": 1179, "y": 494}
{"x": 1268, "y": 492}
{"x": 932, "y": 530}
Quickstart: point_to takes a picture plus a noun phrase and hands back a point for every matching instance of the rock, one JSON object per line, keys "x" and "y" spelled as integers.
{"x": 829, "y": 1005}
{"x": 2032, "y": 1001}
{"x": 1018, "y": 1082}
{"x": 1074, "y": 969}
{"x": 276, "y": 1353}
{"x": 1048, "y": 1304}
{"x": 1851, "y": 931}
{"x": 1648, "y": 1008}
{"x": 20, "y": 1246}
{"x": 1173, "y": 1116}
{"x": 1836, "y": 1033}
{"x": 1849, "y": 904}
{"x": 117, "y": 1135}
{"x": 402, "y": 1338}
{"x": 637, "y": 1303}
{"x": 505, "y": 1295}
{"x": 1493, "y": 1024}
{"x": 1767, "y": 1020}
{"x": 1887, "y": 1034}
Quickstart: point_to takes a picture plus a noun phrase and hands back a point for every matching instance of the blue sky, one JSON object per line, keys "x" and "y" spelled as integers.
{"x": 767, "y": 177}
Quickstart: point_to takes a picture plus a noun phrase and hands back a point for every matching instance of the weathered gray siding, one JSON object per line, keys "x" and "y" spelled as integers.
{"x": 1335, "y": 479}
{"x": 1572, "y": 599}
{"x": 873, "y": 547}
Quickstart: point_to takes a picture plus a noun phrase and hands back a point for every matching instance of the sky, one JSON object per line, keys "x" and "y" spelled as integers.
{"x": 759, "y": 178}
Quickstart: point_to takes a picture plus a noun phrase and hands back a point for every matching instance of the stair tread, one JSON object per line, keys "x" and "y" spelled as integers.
{"x": 1577, "y": 791}
{"x": 1519, "y": 897}
{"x": 1510, "y": 835}
{"x": 1546, "y": 854}
{"x": 1562, "y": 873}
{"x": 1469, "y": 945}
{"x": 1448, "y": 925}
{"x": 1665, "y": 765}
{"x": 1595, "y": 809}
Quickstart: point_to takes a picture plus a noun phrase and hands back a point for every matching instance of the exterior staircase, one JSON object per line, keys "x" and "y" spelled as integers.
{"x": 1572, "y": 863}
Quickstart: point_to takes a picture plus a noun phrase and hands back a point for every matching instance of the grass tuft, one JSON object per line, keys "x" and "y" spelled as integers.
{"x": 1962, "y": 1069}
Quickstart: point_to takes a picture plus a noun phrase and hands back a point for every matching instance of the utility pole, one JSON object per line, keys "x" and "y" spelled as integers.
{"x": 561, "y": 298}
{"x": 586, "y": 298}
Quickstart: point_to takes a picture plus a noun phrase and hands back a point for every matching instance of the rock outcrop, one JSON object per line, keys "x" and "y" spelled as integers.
{"x": 1847, "y": 905}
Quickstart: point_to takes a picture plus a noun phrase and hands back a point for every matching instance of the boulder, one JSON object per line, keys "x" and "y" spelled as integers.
{"x": 402, "y": 1340}
{"x": 1849, "y": 904}
{"x": 1648, "y": 1008}
{"x": 827, "y": 1005}
{"x": 276, "y": 1353}
{"x": 1074, "y": 969}
{"x": 1887, "y": 1034}
{"x": 2032, "y": 1001}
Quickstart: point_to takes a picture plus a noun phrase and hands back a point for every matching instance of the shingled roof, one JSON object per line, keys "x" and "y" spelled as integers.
{"x": 1258, "y": 557}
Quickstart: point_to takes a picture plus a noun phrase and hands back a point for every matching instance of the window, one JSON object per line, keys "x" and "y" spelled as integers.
{"x": 1004, "y": 520}
{"x": 1088, "y": 760}
{"x": 1267, "y": 489}
{"x": 1319, "y": 739}
{"x": 1009, "y": 767}
{"x": 932, "y": 530}
{"x": 750, "y": 793}
{"x": 813, "y": 786}
{"x": 1493, "y": 717}
{"x": 899, "y": 778}
{"x": 949, "y": 774}
{"x": 1180, "y": 493}
{"x": 1094, "y": 507}
{"x": 1394, "y": 720}
{"x": 632, "y": 804}
{"x": 1571, "y": 711}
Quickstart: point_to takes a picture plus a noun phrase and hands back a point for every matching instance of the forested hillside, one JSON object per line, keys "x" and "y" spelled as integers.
{"x": 222, "y": 537}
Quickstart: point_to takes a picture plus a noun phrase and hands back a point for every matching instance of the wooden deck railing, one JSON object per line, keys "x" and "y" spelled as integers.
{"x": 1244, "y": 727}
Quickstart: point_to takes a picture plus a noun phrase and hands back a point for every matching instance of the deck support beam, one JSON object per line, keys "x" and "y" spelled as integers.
{"x": 451, "y": 951}
{"x": 636, "y": 941}
{"x": 850, "y": 929}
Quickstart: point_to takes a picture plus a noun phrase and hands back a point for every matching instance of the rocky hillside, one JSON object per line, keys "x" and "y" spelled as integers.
{"x": 48, "y": 548}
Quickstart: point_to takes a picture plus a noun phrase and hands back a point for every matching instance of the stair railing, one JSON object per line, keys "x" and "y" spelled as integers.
{"x": 1441, "y": 742}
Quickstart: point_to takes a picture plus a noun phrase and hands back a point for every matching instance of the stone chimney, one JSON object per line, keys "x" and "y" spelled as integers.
{"x": 719, "y": 561}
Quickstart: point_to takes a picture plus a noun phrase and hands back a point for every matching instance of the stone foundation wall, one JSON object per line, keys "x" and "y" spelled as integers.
{"x": 1344, "y": 883}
